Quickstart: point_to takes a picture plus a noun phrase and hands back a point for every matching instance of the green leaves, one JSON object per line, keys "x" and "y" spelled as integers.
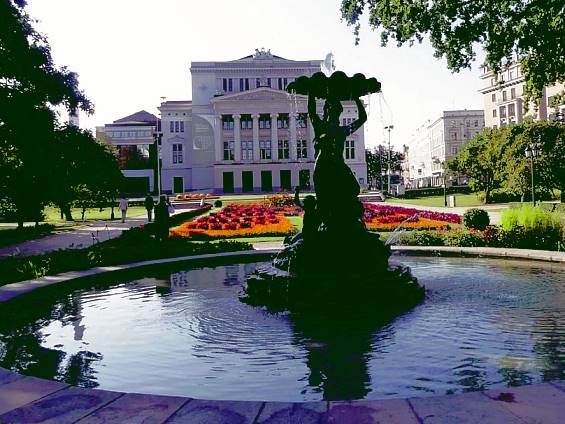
{"x": 532, "y": 30}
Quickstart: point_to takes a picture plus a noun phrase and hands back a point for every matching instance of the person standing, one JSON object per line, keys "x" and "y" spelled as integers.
{"x": 123, "y": 204}
{"x": 149, "y": 205}
{"x": 162, "y": 219}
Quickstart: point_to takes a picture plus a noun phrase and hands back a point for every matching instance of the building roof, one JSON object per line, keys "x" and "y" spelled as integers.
{"x": 141, "y": 117}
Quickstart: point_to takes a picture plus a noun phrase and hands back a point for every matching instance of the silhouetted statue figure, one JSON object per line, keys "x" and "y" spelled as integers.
{"x": 335, "y": 261}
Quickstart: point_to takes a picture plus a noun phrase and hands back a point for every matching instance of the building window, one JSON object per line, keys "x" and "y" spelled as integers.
{"x": 454, "y": 150}
{"x": 227, "y": 85}
{"x": 502, "y": 111}
{"x": 265, "y": 149}
{"x": 468, "y": 123}
{"x": 176, "y": 126}
{"x": 283, "y": 149}
{"x": 246, "y": 122}
{"x": 510, "y": 75}
{"x": 282, "y": 83}
{"x": 243, "y": 84}
{"x": 493, "y": 97}
{"x": 269, "y": 83}
{"x": 301, "y": 149}
{"x": 172, "y": 126}
{"x": 476, "y": 123}
{"x": 494, "y": 113}
{"x": 512, "y": 93}
{"x": 504, "y": 97}
{"x": 229, "y": 150}
{"x": 282, "y": 121}
{"x": 177, "y": 153}
{"x": 247, "y": 150}
{"x": 349, "y": 149}
{"x": 511, "y": 110}
{"x": 453, "y": 124}
{"x": 264, "y": 121}
{"x": 227, "y": 122}
{"x": 301, "y": 121}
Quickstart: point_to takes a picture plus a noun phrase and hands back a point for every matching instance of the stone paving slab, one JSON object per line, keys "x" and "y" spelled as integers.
{"x": 63, "y": 407}
{"x": 293, "y": 413}
{"x": 216, "y": 412}
{"x": 394, "y": 411}
{"x": 542, "y": 403}
{"x": 134, "y": 408}
{"x": 7, "y": 376}
{"x": 468, "y": 408}
{"x": 559, "y": 384}
{"x": 23, "y": 391}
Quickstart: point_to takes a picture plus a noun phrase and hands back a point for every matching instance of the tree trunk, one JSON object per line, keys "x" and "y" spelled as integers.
{"x": 563, "y": 193}
{"x": 67, "y": 212}
{"x": 83, "y": 213}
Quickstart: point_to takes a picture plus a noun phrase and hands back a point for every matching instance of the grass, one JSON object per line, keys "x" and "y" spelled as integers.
{"x": 53, "y": 215}
{"x": 463, "y": 200}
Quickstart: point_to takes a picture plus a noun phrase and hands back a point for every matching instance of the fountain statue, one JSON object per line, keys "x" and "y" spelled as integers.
{"x": 334, "y": 260}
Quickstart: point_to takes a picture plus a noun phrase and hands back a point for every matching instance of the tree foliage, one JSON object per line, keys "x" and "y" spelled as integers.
{"x": 533, "y": 30}
{"x": 495, "y": 159}
{"x": 40, "y": 161}
{"x": 377, "y": 162}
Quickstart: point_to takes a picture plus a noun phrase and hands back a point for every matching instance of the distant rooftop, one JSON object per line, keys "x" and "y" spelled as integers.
{"x": 141, "y": 117}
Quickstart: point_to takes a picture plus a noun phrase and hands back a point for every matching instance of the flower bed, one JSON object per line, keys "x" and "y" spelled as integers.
{"x": 388, "y": 218}
{"x": 238, "y": 221}
{"x": 196, "y": 196}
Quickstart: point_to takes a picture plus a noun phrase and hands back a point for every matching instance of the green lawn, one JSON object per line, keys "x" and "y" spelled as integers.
{"x": 462, "y": 200}
{"x": 53, "y": 215}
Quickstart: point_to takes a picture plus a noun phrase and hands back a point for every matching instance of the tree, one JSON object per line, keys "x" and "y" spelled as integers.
{"x": 91, "y": 175}
{"x": 31, "y": 86}
{"x": 481, "y": 160}
{"x": 532, "y": 30}
{"x": 377, "y": 162}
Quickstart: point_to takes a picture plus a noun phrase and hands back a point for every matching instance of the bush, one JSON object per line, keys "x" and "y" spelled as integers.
{"x": 531, "y": 218}
{"x": 476, "y": 218}
{"x": 419, "y": 238}
{"x": 218, "y": 204}
{"x": 464, "y": 238}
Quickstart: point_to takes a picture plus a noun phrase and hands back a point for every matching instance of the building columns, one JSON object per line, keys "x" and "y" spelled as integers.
{"x": 292, "y": 147}
{"x": 218, "y": 138}
{"x": 274, "y": 135}
{"x": 237, "y": 137}
{"x": 255, "y": 118}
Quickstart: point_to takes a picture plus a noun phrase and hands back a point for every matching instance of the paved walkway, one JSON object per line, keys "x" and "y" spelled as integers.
{"x": 82, "y": 237}
{"x": 493, "y": 210}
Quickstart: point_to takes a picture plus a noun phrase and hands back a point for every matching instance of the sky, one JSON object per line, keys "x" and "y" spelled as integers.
{"x": 130, "y": 53}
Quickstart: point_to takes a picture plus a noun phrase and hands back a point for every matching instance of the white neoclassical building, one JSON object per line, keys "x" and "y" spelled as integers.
{"x": 242, "y": 132}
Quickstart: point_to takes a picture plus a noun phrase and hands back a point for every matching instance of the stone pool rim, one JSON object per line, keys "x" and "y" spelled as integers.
{"x": 35, "y": 389}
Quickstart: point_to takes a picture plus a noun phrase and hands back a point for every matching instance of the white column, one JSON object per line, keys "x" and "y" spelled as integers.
{"x": 292, "y": 118}
{"x": 255, "y": 137}
{"x": 274, "y": 136}
{"x": 218, "y": 138}
{"x": 310, "y": 136}
{"x": 237, "y": 137}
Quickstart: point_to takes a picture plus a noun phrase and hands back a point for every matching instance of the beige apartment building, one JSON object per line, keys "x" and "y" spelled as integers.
{"x": 437, "y": 141}
{"x": 504, "y": 102}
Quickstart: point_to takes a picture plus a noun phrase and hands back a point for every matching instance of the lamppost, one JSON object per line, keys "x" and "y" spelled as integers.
{"x": 157, "y": 136}
{"x": 389, "y": 128}
{"x": 532, "y": 151}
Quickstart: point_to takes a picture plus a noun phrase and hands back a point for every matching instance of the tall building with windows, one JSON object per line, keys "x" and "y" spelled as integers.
{"x": 242, "y": 132}
{"x": 504, "y": 102}
{"x": 437, "y": 141}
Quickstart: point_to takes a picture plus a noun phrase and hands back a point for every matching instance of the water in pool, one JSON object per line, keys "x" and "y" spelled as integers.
{"x": 483, "y": 324}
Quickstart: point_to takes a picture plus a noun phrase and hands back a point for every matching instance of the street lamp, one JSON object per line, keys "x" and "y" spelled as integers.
{"x": 157, "y": 136}
{"x": 532, "y": 151}
{"x": 389, "y": 128}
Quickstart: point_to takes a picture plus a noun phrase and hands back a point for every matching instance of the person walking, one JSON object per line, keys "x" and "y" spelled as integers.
{"x": 149, "y": 205}
{"x": 123, "y": 204}
{"x": 162, "y": 219}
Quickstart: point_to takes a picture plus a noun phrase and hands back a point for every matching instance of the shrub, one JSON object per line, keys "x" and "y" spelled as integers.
{"x": 419, "y": 238}
{"x": 531, "y": 218}
{"x": 218, "y": 204}
{"x": 464, "y": 238}
{"x": 476, "y": 218}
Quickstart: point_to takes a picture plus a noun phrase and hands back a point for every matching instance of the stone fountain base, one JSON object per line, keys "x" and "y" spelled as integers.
{"x": 331, "y": 275}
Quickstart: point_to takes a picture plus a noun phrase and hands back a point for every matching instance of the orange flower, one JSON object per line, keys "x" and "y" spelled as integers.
{"x": 421, "y": 224}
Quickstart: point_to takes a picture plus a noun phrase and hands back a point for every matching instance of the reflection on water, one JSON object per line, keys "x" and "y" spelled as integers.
{"x": 483, "y": 324}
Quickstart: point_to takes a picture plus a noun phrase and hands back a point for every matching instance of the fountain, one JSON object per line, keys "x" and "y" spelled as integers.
{"x": 334, "y": 261}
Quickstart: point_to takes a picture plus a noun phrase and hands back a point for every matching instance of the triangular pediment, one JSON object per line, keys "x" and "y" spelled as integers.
{"x": 261, "y": 93}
